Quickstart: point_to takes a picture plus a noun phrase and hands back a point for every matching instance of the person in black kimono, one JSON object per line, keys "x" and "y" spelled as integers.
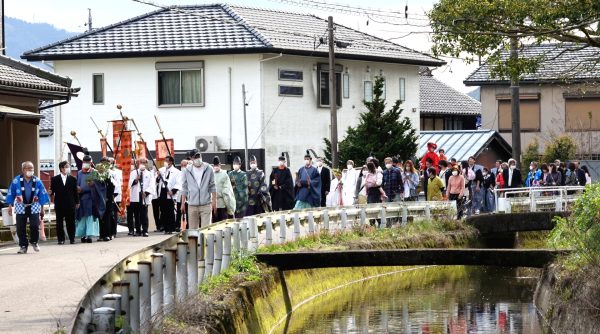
{"x": 108, "y": 219}
{"x": 325, "y": 180}
{"x": 281, "y": 187}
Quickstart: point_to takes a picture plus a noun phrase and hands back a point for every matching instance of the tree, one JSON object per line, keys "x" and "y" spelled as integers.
{"x": 531, "y": 153}
{"x": 562, "y": 148}
{"x": 381, "y": 133}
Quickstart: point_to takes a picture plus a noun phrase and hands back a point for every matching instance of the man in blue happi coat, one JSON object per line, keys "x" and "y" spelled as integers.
{"x": 26, "y": 198}
{"x": 308, "y": 185}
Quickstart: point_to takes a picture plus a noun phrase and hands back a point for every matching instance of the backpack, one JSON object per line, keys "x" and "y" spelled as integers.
{"x": 470, "y": 174}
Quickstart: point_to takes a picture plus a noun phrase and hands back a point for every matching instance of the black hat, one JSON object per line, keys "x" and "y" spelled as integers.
{"x": 193, "y": 153}
{"x": 237, "y": 160}
{"x": 307, "y": 155}
{"x": 104, "y": 159}
{"x": 282, "y": 157}
{"x": 216, "y": 161}
{"x": 253, "y": 158}
{"x": 86, "y": 158}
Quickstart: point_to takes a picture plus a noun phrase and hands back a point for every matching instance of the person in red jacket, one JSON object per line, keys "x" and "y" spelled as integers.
{"x": 431, "y": 147}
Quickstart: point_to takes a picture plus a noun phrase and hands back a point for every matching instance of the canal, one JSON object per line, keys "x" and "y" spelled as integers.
{"x": 452, "y": 299}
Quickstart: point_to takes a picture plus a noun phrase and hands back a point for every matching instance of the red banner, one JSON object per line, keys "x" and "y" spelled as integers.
{"x": 117, "y": 127}
{"x": 124, "y": 161}
{"x": 103, "y": 146}
{"x": 141, "y": 150}
{"x": 161, "y": 148}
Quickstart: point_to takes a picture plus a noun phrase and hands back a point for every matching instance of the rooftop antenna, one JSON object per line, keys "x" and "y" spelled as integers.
{"x": 89, "y": 23}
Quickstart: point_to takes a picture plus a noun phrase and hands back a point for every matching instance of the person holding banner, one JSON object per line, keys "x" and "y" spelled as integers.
{"x": 239, "y": 182}
{"x": 27, "y": 197}
{"x": 168, "y": 186}
{"x": 141, "y": 185}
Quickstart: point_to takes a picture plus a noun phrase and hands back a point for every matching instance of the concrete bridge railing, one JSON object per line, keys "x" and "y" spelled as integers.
{"x": 535, "y": 199}
{"x": 140, "y": 290}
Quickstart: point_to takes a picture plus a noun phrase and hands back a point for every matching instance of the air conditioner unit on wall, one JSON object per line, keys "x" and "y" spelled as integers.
{"x": 206, "y": 144}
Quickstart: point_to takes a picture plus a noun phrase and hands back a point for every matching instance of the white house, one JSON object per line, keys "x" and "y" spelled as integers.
{"x": 187, "y": 65}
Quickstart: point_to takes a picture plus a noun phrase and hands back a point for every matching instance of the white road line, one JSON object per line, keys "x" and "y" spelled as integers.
{"x": 7, "y": 249}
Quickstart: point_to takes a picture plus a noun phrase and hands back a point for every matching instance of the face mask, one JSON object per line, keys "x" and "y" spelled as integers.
{"x": 281, "y": 163}
{"x": 217, "y": 169}
{"x": 307, "y": 162}
{"x": 530, "y": 167}
{"x": 167, "y": 166}
{"x": 86, "y": 166}
{"x": 388, "y": 166}
{"x": 484, "y": 173}
{"x": 513, "y": 167}
{"x": 197, "y": 162}
{"x": 142, "y": 167}
{"x": 236, "y": 167}
{"x": 432, "y": 176}
{"x": 455, "y": 172}
{"x": 253, "y": 166}
{"x": 364, "y": 173}
{"x": 349, "y": 167}
{"x": 29, "y": 173}
{"x": 320, "y": 164}
{"x": 407, "y": 169}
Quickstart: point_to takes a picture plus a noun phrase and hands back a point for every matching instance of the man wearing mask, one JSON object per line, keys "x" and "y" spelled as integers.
{"x": 308, "y": 184}
{"x": 239, "y": 181}
{"x": 116, "y": 177}
{"x": 512, "y": 176}
{"x": 325, "y": 174}
{"x": 225, "y": 197}
{"x": 92, "y": 202}
{"x": 64, "y": 189}
{"x": 476, "y": 185}
{"x": 391, "y": 181}
{"x": 198, "y": 191}
{"x": 349, "y": 179}
{"x": 142, "y": 187}
{"x": 168, "y": 187}
{"x": 180, "y": 215}
{"x": 26, "y": 197}
{"x": 259, "y": 199}
{"x": 281, "y": 186}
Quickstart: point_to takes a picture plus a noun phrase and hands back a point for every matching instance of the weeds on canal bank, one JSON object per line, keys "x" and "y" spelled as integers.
{"x": 243, "y": 267}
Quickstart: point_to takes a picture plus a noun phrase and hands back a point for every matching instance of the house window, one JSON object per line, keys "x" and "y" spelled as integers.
{"x": 290, "y": 75}
{"x": 529, "y": 114}
{"x": 297, "y": 91}
{"x": 346, "y": 85}
{"x": 324, "y": 85}
{"x": 432, "y": 123}
{"x": 368, "y": 94}
{"x": 180, "y": 83}
{"x": 98, "y": 88}
{"x": 582, "y": 114}
{"x": 402, "y": 89}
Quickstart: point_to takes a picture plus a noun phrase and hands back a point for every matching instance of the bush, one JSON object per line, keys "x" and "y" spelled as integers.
{"x": 561, "y": 147}
{"x": 532, "y": 153}
{"x": 580, "y": 231}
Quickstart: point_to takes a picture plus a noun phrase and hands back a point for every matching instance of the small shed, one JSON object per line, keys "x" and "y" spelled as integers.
{"x": 486, "y": 146}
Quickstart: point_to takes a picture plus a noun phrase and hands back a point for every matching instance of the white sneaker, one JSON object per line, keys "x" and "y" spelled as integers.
{"x": 36, "y": 247}
{"x": 23, "y": 250}
{"x": 476, "y": 212}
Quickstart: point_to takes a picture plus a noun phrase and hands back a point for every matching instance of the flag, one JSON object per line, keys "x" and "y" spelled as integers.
{"x": 141, "y": 150}
{"x": 103, "y": 146}
{"x": 161, "y": 148}
{"x": 124, "y": 161}
{"x": 117, "y": 127}
{"x": 77, "y": 152}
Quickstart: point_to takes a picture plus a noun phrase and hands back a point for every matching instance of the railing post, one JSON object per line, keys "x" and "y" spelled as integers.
{"x": 218, "y": 252}
{"x": 236, "y": 237}
{"x": 201, "y": 256}
{"x": 427, "y": 211}
{"x": 122, "y": 288}
{"x": 253, "y": 226}
{"x": 382, "y": 218}
{"x": 405, "y": 215}
{"x": 113, "y": 300}
{"x": 296, "y": 226}
{"x": 182, "y": 271}
{"x": 282, "y": 229}
{"x": 311, "y": 222}
{"x": 133, "y": 276}
{"x": 170, "y": 282}
{"x": 326, "y": 220}
{"x": 210, "y": 255}
{"x": 157, "y": 285}
{"x": 244, "y": 235}
{"x": 145, "y": 295}
{"x": 192, "y": 264}
{"x": 104, "y": 320}
{"x": 226, "y": 247}
{"x": 363, "y": 216}
{"x": 532, "y": 202}
{"x": 344, "y": 219}
{"x": 268, "y": 231}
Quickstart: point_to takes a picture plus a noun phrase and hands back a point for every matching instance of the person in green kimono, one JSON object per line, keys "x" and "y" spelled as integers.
{"x": 239, "y": 181}
{"x": 225, "y": 197}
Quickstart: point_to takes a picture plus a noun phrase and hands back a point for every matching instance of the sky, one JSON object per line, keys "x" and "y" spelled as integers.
{"x": 72, "y": 15}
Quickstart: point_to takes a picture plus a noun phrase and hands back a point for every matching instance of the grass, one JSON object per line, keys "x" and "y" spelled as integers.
{"x": 243, "y": 267}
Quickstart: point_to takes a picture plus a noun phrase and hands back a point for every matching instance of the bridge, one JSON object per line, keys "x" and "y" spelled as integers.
{"x": 65, "y": 285}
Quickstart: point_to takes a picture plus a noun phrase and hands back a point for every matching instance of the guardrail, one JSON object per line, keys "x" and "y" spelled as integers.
{"x": 154, "y": 279}
{"x": 534, "y": 199}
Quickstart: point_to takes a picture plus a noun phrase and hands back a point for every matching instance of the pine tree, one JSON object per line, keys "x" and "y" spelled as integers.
{"x": 381, "y": 133}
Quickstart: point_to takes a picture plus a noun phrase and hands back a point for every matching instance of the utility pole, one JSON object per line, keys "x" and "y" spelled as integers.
{"x": 332, "y": 96}
{"x": 89, "y": 24}
{"x": 515, "y": 104}
{"x": 245, "y": 128}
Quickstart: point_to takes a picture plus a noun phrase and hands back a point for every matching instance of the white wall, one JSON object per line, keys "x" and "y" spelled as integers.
{"x": 297, "y": 123}
{"x": 133, "y": 84}
{"x": 46, "y": 145}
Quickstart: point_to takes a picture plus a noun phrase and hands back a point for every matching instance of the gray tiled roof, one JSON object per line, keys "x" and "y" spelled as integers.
{"x": 440, "y": 99}
{"x": 17, "y": 75}
{"x": 222, "y": 29}
{"x": 47, "y": 122}
{"x": 461, "y": 144}
{"x": 560, "y": 62}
